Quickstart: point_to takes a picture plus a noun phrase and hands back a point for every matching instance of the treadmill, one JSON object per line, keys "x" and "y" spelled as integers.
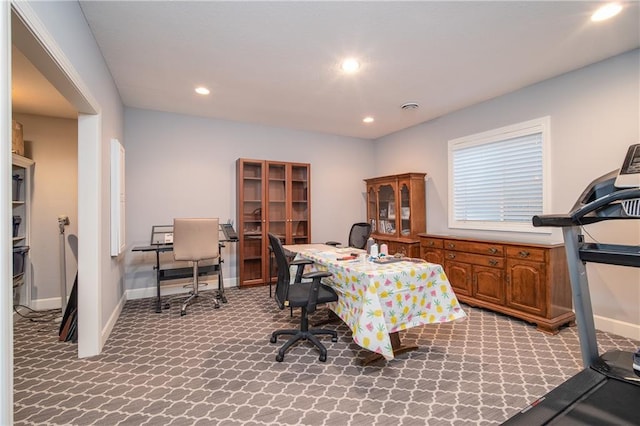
{"x": 607, "y": 391}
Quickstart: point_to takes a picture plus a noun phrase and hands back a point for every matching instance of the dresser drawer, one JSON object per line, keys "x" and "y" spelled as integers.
{"x": 527, "y": 253}
{"x": 431, "y": 242}
{"x": 474, "y": 247}
{"x": 474, "y": 259}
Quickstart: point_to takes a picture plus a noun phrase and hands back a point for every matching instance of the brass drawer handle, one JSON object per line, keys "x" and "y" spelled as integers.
{"x": 431, "y": 243}
{"x": 493, "y": 250}
{"x": 524, "y": 253}
{"x": 493, "y": 262}
{"x": 451, "y": 245}
{"x": 451, "y": 256}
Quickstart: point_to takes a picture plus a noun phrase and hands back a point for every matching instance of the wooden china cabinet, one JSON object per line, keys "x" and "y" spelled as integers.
{"x": 273, "y": 196}
{"x": 396, "y": 209}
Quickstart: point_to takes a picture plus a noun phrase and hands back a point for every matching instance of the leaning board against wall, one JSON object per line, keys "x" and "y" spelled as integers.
{"x": 273, "y": 197}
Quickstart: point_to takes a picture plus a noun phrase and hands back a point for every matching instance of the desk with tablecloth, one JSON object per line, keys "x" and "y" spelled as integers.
{"x": 378, "y": 300}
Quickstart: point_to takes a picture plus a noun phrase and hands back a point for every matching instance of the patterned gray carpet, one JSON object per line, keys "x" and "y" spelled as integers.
{"x": 217, "y": 367}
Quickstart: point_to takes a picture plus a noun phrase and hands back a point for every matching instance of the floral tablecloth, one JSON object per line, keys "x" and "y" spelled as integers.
{"x": 378, "y": 299}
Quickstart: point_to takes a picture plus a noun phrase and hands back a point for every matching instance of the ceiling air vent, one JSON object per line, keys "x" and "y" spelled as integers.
{"x": 410, "y": 106}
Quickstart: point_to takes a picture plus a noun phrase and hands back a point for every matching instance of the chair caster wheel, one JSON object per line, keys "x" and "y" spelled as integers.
{"x": 167, "y": 305}
{"x": 273, "y": 339}
{"x": 279, "y": 358}
{"x": 183, "y": 313}
{"x": 323, "y": 358}
{"x": 216, "y": 306}
{"x": 224, "y": 299}
{"x": 334, "y": 339}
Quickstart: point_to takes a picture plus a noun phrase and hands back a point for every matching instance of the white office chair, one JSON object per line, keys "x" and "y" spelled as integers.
{"x": 196, "y": 240}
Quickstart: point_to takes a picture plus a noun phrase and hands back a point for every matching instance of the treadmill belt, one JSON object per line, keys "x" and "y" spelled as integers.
{"x": 611, "y": 403}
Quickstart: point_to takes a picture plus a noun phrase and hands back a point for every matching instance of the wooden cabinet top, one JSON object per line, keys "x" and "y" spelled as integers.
{"x": 490, "y": 241}
{"x": 413, "y": 175}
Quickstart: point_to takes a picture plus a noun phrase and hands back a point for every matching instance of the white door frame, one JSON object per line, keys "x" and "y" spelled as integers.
{"x": 45, "y": 53}
{"x": 6, "y": 292}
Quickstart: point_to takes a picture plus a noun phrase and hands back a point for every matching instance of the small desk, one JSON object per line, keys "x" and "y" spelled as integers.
{"x": 180, "y": 273}
{"x": 378, "y": 300}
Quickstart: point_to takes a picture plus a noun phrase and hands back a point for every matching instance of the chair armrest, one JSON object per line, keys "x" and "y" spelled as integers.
{"x": 300, "y": 263}
{"x": 317, "y": 274}
{"x": 315, "y": 288}
{"x": 333, "y": 243}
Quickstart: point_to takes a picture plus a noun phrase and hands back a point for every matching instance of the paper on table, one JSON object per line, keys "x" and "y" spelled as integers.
{"x": 344, "y": 250}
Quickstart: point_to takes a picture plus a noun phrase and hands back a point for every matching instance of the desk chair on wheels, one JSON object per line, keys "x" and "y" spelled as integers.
{"x": 196, "y": 240}
{"x": 358, "y": 235}
{"x": 304, "y": 295}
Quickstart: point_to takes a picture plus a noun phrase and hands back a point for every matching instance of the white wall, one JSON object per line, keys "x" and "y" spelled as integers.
{"x": 185, "y": 166}
{"x": 53, "y": 144}
{"x": 595, "y": 116}
{"x": 67, "y": 37}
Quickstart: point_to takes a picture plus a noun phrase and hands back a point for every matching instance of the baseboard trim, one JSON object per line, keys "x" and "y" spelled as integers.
{"x": 46, "y": 304}
{"x": 171, "y": 289}
{"x": 108, "y": 328}
{"x": 621, "y": 328}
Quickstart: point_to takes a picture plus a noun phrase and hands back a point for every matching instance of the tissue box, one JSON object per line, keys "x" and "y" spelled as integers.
{"x": 17, "y": 142}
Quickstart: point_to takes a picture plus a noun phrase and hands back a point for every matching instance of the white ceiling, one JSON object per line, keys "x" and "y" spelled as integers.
{"x": 32, "y": 93}
{"x": 276, "y": 63}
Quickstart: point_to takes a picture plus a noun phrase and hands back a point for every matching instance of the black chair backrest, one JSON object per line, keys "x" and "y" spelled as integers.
{"x": 284, "y": 278}
{"x": 359, "y": 235}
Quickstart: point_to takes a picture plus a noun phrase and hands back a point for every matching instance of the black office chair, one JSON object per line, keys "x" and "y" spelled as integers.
{"x": 358, "y": 235}
{"x": 304, "y": 295}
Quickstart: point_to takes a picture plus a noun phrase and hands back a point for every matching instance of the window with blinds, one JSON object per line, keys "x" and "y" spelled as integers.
{"x": 496, "y": 178}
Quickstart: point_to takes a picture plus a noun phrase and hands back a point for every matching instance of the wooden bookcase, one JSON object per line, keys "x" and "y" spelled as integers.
{"x": 273, "y": 196}
{"x": 396, "y": 209}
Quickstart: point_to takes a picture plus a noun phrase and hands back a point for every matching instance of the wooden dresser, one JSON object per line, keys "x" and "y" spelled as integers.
{"x": 526, "y": 281}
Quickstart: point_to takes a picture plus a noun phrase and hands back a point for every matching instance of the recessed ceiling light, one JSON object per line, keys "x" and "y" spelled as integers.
{"x": 368, "y": 120}
{"x": 202, "y": 91}
{"x": 350, "y": 65}
{"x": 607, "y": 11}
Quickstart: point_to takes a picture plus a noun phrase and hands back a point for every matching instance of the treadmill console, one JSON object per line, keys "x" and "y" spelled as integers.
{"x": 629, "y": 176}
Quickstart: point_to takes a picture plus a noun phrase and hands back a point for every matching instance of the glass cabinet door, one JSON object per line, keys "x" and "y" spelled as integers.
{"x": 386, "y": 210}
{"x": 277, "y": 200}
{"x": 405, "y": 210}
{"x": 372, "y": 209}
{"x": 251, "y": 233}
{"x": 299, "y": 218}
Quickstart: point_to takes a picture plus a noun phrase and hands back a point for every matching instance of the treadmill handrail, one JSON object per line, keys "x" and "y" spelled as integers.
{"x": 555, "y": 220}
{"x": 578, "y": 216}
{"x": 624, "y": 194}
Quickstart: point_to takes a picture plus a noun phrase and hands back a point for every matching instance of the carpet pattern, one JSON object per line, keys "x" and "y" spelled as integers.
{"x": 217, "y": 367}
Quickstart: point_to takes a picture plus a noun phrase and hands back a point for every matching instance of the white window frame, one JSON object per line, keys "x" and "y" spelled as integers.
{"x": 539, "y": 125}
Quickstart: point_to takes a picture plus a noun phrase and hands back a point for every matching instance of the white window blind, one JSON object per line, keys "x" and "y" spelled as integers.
{"x": 497, "y": 178}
